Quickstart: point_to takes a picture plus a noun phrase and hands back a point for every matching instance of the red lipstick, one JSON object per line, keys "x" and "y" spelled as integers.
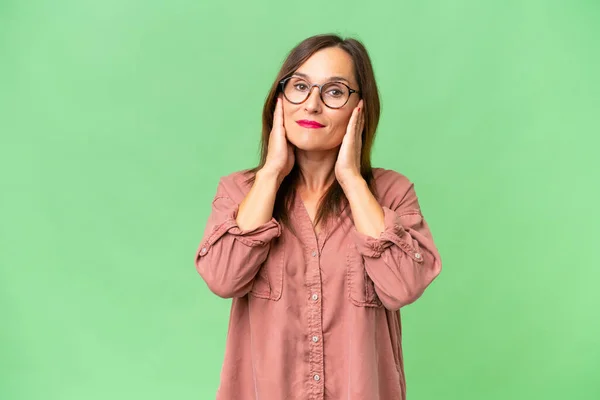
{"x": 305, "y": 123}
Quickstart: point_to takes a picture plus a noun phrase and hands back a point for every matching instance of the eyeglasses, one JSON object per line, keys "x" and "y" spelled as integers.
{"x": 333, "y": 94}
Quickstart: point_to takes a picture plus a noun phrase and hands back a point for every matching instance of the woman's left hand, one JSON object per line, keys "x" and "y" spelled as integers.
{"x": 347, "y": 166}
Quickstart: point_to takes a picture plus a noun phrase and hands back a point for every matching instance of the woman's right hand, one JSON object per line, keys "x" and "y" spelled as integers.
{"x": 280, "y": 152}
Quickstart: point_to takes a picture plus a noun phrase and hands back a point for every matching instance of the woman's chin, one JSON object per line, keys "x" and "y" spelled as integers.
{"x": 310, "y": 143}
{"x": 313, "y": 147}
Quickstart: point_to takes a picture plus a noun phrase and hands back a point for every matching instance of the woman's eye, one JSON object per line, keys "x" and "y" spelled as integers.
{"x": 300, "y": 86}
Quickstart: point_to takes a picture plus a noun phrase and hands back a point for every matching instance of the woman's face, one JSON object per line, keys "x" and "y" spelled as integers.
{"x": 330, "y": 64}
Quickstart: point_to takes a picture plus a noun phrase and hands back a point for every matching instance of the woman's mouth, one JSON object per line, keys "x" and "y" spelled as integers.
{"x": 309, "y": 124}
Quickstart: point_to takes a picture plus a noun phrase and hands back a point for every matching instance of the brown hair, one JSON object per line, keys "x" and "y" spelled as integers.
{"x": 333, "y": 199}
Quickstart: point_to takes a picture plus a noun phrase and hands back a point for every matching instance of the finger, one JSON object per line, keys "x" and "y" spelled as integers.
{"x": 362, "y": 122}
{"x": 353, "y": 123}
{"x": 362, "y": 115}
{"x": 361, "y": 125}
{"x": 278, "y": 115}
{"x": 359, "y": 108}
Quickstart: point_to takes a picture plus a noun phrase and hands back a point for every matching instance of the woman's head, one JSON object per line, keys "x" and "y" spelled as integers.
{"x": 317, "y": 60}
{"x": 323, "y": 60}
{"x": 332, "y": 68}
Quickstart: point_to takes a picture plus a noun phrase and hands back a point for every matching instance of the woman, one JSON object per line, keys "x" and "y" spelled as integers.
{"x": 318, "y": 250}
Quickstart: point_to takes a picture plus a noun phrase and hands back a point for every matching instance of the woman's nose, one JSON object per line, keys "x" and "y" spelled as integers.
{"x": 313, "y": 103}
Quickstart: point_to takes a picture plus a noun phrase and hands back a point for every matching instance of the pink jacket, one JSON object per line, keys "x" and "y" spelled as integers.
{"x": 316, "y": 316}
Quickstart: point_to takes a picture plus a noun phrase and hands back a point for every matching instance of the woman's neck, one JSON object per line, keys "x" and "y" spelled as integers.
{"x": 316, "y": 170}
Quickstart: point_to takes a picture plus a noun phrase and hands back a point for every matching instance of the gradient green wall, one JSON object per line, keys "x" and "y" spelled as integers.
{"x": 117, "y": 119}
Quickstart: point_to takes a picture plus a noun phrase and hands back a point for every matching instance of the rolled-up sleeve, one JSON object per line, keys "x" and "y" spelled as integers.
{"x": 228, "y": 258}
{"x": 403, "y": 260}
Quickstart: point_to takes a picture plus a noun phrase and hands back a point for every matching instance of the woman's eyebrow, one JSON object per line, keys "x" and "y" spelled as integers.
{"x": 332, "y": 78}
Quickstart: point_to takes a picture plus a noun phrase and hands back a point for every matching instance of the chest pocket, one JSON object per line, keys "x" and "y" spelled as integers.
{"x": 268, "y": 283}
{"x": 361, "y": 289}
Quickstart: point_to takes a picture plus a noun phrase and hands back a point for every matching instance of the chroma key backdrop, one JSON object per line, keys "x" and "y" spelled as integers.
{"x": 117, "y": 119}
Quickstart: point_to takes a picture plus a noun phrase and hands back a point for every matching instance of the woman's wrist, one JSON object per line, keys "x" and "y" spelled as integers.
{"x": 269, "y": 175}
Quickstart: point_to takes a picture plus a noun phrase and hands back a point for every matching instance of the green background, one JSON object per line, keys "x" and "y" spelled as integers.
{"x": 117, "y": 119}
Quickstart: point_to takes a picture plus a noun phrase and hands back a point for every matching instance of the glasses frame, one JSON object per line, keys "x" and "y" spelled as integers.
{"x": 312, "y": 85}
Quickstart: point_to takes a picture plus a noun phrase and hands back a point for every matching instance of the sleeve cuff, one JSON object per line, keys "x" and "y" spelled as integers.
{"x": 258, "y": 236}
{"x": 393, "y": 234}
{"x": 261, "y": 234}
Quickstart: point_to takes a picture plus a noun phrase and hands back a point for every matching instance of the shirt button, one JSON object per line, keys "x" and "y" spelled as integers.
{"x": 317, "y": 378}
{"x": 314, "y": 253}
{"x": 315, "y": 339}
{"x": 203, "y": 251}
{"x": 315, "y": 296}
{"x": 417, "y": 256}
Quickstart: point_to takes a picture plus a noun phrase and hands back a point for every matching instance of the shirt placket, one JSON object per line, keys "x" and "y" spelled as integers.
{"x": 315, "y": 324}
{"x": 312, "y": 247}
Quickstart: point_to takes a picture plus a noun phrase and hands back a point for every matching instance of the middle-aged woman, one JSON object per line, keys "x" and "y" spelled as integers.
{"x": 318, "y": 250}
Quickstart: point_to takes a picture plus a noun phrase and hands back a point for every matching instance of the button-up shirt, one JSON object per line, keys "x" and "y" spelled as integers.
{"x": 316, "y": 316}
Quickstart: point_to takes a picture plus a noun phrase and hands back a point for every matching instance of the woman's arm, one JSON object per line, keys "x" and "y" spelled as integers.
{"x": 257, "y": 207}
{"x": 237, "y": 236}
{"x": 367, "y": 213}
{"x": 398, "y": 250}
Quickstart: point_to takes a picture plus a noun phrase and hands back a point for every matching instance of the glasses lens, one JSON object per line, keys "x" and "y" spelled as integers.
{"x": 335, "y": 94}
{"x": 296, "y": 90}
